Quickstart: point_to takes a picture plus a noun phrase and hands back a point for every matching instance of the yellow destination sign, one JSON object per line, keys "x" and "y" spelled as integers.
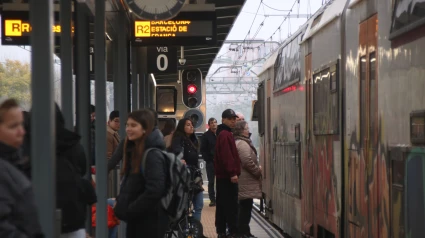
{"x": 160, "y": 28}
{"x": 19, "y": 28}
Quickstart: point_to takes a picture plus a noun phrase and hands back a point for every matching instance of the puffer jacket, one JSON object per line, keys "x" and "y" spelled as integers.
{"x": 18, "y": 211}
{"x": 250, "y": 178}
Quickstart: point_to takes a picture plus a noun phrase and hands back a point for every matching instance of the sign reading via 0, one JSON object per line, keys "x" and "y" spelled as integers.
{"x": 162, "y": 59}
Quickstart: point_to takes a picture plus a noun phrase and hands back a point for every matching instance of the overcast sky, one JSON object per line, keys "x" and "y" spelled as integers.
{"x": 271, "y": 23}
{"x": 270, "y": 13}
{"x": 277, "y": 9}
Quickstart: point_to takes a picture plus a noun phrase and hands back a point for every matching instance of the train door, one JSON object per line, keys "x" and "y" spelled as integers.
{"x": 363, "y": 173}
{"x": 308, "y": 163}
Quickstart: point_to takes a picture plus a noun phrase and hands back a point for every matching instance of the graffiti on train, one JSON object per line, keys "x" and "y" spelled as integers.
{"x": 368, "y": 187}
{"x": 320, "y": 188}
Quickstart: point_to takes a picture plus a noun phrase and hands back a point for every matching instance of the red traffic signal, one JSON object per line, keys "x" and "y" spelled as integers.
{"x": 191, "y": 89}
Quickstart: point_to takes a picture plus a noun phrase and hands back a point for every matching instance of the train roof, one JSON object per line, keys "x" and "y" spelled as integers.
{"x": 327, "y": 14}
{"x": 324, "y": 16}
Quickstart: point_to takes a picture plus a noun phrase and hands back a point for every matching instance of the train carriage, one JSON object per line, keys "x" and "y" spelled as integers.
{"x": 342, "y": 123}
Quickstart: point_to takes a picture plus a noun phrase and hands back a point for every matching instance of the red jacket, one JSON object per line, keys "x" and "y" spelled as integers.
{"x": 226, "y": 158}
{"x": 112, "y": 219}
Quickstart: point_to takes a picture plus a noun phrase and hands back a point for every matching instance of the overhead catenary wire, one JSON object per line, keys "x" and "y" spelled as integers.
{"x": 284, "y": 19}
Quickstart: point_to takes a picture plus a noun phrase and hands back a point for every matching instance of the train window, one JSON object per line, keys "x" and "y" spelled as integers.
{"x": 325, "y": 101}
{"x": 417, "y": 127}
{"x": 288, "y": 65}
{"x": 407, "y": 15}
{"x": 372, "y": 89}
{"x": 260, "y": 111}
{"x": 363, "y": 118}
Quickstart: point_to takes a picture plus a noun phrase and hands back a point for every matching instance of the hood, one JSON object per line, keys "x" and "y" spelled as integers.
{"x": 64, "y": 137}
{"x": 222, "y": 127}
{"x": 155, "y": 140}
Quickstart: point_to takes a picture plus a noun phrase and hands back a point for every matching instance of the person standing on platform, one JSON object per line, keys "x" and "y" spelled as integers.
{"x": 227, "y": 167}
{"x": 207, "y": 151}
{"x": 18, "y": 211}
{"x": 142, "y": 192}
{"x": 250, "y": 179}
{"x": 184, "y": 141}
{"x": 113, "y": 138}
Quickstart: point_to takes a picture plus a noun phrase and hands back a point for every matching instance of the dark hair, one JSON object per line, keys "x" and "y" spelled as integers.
{"x": 145, "y": 118}
{"x": 6, "y": 106}
{"x": 155, "y": 114}
{"x": 179, "y": 132}
{"x": 114, "y": 114}
{"x": 211, "y": 120}
{"x": 92, "y": 108}
{"x": 169, "y": 127}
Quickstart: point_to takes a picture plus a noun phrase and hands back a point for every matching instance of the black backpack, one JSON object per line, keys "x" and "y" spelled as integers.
{"x": 175, "y": 201}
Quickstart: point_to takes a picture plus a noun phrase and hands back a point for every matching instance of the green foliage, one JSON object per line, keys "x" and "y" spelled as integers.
{"x": 15, "y": 81}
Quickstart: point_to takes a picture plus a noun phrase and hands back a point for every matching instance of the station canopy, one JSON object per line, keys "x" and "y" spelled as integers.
{"x": 201, "y": 56}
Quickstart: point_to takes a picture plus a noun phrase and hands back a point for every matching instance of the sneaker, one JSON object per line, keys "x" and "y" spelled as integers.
{"x": 212, "y": 204}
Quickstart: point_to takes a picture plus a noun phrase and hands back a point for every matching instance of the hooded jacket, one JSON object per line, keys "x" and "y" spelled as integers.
{"x": 72, "y": 200}
{"x": 145, "y": 215}
{"x": 226, "y": 159}
{"x": 18, "y": 211}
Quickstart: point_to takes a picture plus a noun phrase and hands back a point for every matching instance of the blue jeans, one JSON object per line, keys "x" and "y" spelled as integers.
{"x": 198, "y": 204}
{"x": 112, "y": 232}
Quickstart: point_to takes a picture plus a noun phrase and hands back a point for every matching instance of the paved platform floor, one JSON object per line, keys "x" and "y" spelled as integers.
{"x": 259, "y": 227}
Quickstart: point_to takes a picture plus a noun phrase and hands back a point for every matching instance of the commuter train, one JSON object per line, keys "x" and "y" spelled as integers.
{"x": 341, "y": 112}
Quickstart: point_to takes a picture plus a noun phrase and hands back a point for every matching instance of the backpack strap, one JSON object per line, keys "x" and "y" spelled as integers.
{"x": 143, "y": 164}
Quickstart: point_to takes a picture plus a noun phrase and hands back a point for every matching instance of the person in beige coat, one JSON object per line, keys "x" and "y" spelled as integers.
{"x": 113, "y": 140}
{"x": 250, "y": 179}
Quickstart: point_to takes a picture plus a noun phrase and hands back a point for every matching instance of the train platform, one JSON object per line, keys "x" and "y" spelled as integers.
{"x": 259, "y": 226}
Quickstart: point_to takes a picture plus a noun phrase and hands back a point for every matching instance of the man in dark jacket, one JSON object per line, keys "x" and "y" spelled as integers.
{"x": 73, "y": 193}
{"x": 227, "y": 167}
{"x": 207, "y": 151}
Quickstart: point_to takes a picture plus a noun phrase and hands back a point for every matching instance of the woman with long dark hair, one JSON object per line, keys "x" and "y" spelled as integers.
{"x": 184, "y": 140}
{"x": 142, "y": 192}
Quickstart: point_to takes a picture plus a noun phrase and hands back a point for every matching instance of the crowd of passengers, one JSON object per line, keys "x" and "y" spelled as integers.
{"x": 230, "y": 157}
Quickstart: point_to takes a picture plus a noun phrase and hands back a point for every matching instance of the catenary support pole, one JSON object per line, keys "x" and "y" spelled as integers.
{"x": 43, "y": 114}
{"x": 82, "y": 88}
{"x": 134, "y": 80}
{"x": 122, "y": 100}
{"x": 67, "y": 99}
{"x": 100, "y": 100}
